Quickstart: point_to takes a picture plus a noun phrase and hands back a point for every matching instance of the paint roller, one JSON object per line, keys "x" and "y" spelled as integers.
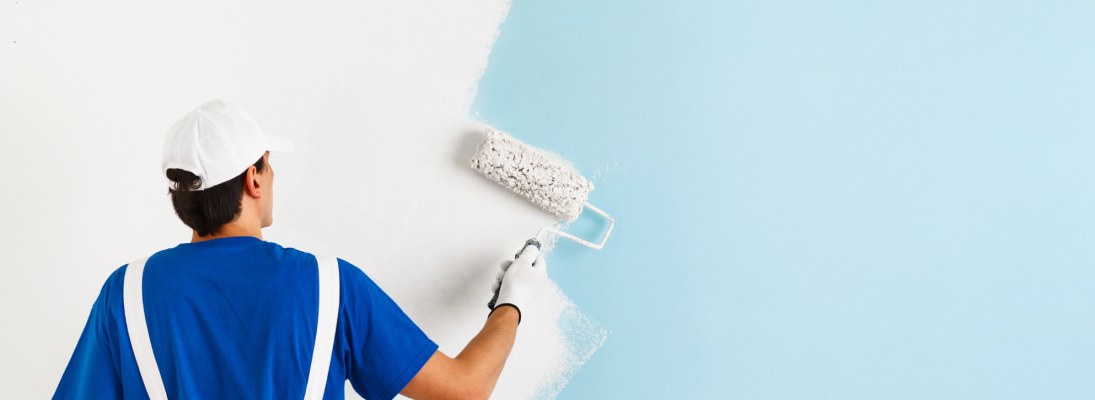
{"x": 544, "y": 181}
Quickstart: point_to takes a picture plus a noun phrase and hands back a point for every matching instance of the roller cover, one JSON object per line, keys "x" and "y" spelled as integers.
{"x": 532, "y": 174}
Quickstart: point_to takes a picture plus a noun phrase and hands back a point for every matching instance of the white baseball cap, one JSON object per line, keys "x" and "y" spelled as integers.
{"x": 218, "y": 141}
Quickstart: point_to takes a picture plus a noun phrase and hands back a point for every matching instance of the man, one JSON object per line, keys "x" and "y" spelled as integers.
{"x": 230, "y": 316}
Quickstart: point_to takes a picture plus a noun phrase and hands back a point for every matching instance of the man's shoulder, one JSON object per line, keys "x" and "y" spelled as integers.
{"x": 292, "y": 253}
{"x": 346, "y": 268}
{"x": 279, "y": 252}
{"x": 109, "y": 302}
{"x": 111, "y": 294}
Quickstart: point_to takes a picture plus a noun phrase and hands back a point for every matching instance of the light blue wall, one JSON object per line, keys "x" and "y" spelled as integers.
{"x": 846, "y": 200}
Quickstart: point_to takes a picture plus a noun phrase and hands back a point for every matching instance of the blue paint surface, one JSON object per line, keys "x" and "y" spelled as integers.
{"x": 847, "y": 200}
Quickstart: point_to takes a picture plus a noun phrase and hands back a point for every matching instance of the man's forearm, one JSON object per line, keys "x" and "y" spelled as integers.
{"x": 473, "y": 373}
{"x": 486, "y": 354}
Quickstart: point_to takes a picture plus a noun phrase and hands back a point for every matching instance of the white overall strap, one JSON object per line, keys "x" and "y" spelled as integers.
{"x": 325, "y": 329}
{"x": 133, "y": 302}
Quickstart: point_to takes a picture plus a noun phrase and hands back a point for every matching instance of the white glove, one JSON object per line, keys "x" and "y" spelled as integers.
{"x": 521, "y": 281}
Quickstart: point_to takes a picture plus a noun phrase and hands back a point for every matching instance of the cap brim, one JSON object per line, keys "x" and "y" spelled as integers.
{"x": 278, "y": 143}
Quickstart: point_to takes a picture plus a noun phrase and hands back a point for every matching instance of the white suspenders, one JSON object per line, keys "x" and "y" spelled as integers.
{"x": 133, "y": 303}
{"x": 325, "y": 328}
{"x": 133, "y": 300}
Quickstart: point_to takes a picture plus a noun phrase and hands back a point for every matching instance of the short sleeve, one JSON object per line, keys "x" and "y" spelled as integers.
{"x": 92, "y": 372}
{"x": 386, "y": 349}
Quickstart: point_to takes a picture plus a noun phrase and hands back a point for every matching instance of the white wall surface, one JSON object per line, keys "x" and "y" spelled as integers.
{"x": 375, "y": 94}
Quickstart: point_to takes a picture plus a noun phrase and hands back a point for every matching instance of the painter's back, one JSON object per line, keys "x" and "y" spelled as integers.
{"x": 236, "y": 318}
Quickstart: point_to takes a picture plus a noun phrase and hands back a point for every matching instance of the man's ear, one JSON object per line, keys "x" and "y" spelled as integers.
{"x": 251, "y": 184}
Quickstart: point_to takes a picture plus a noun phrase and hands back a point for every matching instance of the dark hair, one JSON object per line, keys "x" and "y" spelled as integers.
{"x": 206, "y": 211}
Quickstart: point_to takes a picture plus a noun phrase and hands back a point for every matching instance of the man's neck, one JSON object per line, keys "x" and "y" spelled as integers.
{"x": 229, "y": 230}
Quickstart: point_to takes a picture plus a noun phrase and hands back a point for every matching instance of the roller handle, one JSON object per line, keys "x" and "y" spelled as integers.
{"x": 494, "y": 299}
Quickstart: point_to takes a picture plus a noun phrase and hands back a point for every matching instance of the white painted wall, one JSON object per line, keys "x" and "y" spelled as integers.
{"x": 374, "y": 93}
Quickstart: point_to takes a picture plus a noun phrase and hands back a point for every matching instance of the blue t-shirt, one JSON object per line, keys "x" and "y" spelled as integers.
{"x": 235, "y": 318}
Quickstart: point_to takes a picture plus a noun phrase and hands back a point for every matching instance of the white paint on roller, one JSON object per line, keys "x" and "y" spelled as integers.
{"x": 375, "y": 94}
{"x": 554, "y": 186}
